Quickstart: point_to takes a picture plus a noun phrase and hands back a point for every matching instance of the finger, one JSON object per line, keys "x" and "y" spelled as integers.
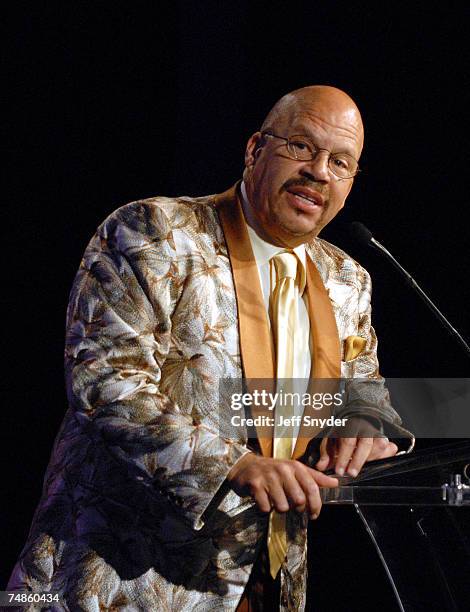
{"x": 346, "y": 447}
{"x": 295, "y": 495}
{"x": 360, "y": 456}
{"x": 311, "y": 491}
{"x": 277, "y": 496}
{"x": 321, "y": 479}
{"x": 382, "y": 449}
{"x": 324, "y": 460}
{"x": 262, "y": 500}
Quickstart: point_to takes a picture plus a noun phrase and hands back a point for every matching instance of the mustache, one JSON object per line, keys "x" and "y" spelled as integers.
{"x": 305, "y": 182}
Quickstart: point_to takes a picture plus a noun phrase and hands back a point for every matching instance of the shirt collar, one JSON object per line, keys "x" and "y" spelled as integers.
{"x": 264, "y": 251}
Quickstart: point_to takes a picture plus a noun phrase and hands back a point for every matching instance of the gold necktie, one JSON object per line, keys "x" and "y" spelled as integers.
{"x": 284, "y": 321}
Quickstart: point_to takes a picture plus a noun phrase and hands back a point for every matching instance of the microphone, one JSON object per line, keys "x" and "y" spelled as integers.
{"x": 365, "y": 237}
{"x": 361, "y": 233}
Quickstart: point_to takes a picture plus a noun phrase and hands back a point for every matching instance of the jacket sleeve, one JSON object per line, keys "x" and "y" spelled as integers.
{"x": 366, "y": 391}
{"x": 119, "y": 326}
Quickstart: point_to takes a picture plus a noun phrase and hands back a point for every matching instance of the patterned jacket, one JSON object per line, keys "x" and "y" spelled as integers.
{"x": 136, "y": 513}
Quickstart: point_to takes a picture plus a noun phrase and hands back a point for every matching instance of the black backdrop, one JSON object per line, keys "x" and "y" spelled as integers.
{"x": 117, "y": 102}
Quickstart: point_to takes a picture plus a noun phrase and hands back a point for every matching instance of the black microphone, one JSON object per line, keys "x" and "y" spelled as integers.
{"x": 361, "y": 233}
{"x": 364, "y": 236}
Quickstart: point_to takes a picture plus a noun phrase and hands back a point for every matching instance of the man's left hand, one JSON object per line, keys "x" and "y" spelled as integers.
{"x": 348, "y": 454}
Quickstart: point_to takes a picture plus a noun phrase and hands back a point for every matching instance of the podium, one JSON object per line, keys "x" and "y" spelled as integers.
{"x": 416, "y": 511}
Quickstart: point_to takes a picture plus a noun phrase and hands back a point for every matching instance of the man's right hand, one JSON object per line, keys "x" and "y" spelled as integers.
{"x": 281, "y": 484}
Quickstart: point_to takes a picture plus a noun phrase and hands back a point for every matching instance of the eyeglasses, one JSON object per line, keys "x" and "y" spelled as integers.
{"x": 300, "y": 148}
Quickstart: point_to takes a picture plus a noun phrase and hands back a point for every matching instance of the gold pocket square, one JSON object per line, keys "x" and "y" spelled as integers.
{"x": 353, "y": 345}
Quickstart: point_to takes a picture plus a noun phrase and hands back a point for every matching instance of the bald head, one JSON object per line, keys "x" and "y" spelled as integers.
{"x": 313, "y": 99}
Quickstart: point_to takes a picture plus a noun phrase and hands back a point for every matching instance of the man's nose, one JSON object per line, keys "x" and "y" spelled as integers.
{"x": 318, "y": 167}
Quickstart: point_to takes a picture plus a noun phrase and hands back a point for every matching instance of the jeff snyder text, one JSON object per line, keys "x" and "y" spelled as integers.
{"x": 281, "y": 421}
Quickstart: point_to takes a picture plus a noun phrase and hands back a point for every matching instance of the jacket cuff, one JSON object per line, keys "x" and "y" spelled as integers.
{"x": 209, "y": 504}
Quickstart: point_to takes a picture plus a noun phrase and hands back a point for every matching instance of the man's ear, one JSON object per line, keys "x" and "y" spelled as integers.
{"x": 253, "y": 148}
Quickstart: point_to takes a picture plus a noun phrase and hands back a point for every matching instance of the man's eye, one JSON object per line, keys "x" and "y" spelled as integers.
{"x": 341, "y": 162}
{"x": 299, "y": 145}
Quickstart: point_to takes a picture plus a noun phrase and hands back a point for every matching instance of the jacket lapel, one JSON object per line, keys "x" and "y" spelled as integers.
{"x": 256, "y": 345}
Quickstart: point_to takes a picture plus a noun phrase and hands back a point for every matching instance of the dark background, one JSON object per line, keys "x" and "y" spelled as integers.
{"x": 111, "y": 103}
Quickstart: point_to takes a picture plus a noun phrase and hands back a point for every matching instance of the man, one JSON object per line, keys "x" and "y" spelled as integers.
{"x": 148, "y": 499}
